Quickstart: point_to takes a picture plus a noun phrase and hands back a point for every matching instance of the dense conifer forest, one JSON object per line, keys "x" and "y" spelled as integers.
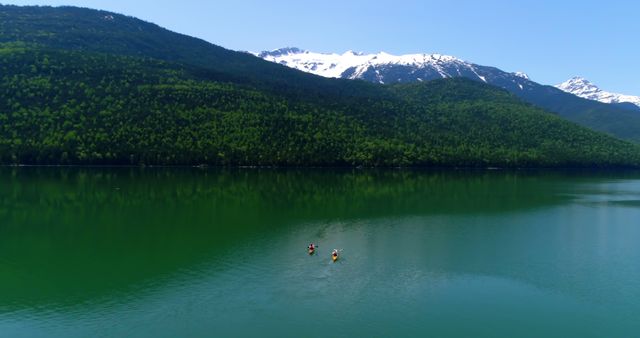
{"x": 79, "y": 86}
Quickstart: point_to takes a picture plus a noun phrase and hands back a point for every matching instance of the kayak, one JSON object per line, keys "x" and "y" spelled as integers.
{"x": 311, "y": 251}
{"x": 334, "y": 257}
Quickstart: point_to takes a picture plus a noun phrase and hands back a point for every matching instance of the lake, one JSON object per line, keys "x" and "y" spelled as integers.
{"x": 185, "y": 252}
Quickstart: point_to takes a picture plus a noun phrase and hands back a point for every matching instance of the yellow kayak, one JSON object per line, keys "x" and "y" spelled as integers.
{"x": 311, "y": 251}
{"x": 334, "y": 257}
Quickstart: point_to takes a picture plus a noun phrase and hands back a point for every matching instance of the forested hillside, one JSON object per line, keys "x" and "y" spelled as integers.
{"x": 62, "y": 101}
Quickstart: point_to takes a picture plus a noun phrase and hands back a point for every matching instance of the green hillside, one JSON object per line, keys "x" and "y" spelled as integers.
{"x": 70, "y": 93}
{"x": 81, "y": 29}
{"x": 619, "y": 120}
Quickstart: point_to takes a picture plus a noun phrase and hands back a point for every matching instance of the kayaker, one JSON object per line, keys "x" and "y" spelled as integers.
{"x": 312, "y": 246}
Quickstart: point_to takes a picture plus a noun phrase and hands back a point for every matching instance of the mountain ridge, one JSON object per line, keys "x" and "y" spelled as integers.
{"x": 388, "y": 69}
{"x": 584, "y": 88}
{"x": 354, "y": 65}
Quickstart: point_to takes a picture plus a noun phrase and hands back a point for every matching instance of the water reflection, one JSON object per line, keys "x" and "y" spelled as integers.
{"x": 84, "y": 244}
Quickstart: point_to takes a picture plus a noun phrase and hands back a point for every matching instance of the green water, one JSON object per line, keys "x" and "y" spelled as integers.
{"x": 99, "y": 252}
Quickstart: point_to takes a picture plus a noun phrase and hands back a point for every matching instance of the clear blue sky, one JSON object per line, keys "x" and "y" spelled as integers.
{"x": 550, "y": 40}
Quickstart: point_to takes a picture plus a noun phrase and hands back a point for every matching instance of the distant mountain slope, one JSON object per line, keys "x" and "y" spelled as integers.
{"x": 385, "y": 68}
{"x": 65, "y": 102}
{"x": 81, "y": 29}
{"x": 582, "y": 87}
{"x": 373, "y": 67}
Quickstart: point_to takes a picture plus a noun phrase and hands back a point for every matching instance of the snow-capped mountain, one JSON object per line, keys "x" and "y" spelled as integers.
{"x": 387, "y": 68}
{"x": 584, "y": 88}
{"x": 619, "y": 119}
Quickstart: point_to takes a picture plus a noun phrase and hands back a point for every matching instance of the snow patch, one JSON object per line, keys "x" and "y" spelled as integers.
{"x": 334, "y": 65}
{"x": 582, "y": 87}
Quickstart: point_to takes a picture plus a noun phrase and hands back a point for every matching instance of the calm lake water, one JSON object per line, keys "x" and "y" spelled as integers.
{"x": 99, "y": 252}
